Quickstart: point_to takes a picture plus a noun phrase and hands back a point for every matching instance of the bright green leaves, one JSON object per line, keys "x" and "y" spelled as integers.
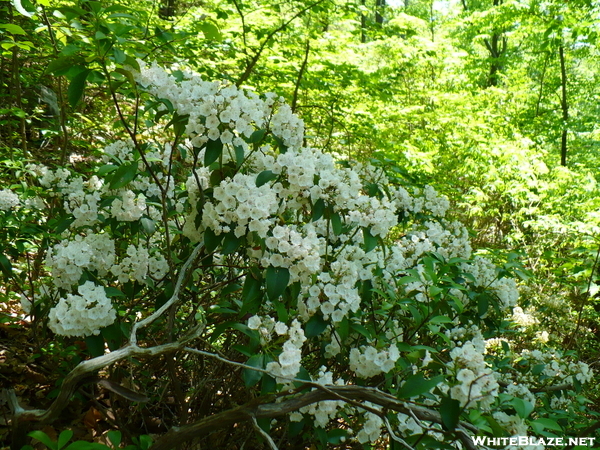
{"x": 210, "y": 31}
{"x": 12, "y": 28}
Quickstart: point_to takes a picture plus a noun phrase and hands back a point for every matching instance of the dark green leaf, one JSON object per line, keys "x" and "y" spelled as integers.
{"x": 64, "y": 437}
{"x": 230, "y": 243}
{"x": 370, "y": 240}
{"x": 315, "y": 326}
{"x": 277, "y": 280}
{"x": 95, "y": 345}
{"x": 318, "y": 209}
{"x": 257, "y": 136}
{"x": 106, "y": 168}
{"x": 264, "y": 177}
{"x": 251, "y": 377}
{"x": 417, "y": 385}
{"x": 123, "y": 175}
{"x": 114, "y": 436}
{"x": 211, "y": 240}
{"x": 5, "y": 265}
{"x": 522, "y": 407}
{"x": 113, "y": 292}
{"x": 75, "y": 91}
{"x": 336, "y": 224}
{"x": 43, "y": 438}
{"x": 213, "y": 151}
{"x": 450, "y": 412}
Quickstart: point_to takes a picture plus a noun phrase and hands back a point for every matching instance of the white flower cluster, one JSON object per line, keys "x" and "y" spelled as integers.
{"x": 8, "y": 200}
{"x": 485, "y": 273}
{"x": 476, "y": 381}
{"x": 217, "y": 111}
{"x": 522, "y": 318}
{"x": 129, "y": 207}
{"x": 371, "y": 429}
{"x": 138, "y": 264}
{"x": 367, "y": 362}
{"x": 323, "y": 412}
{"x": 556, "y": 367}
{"x": 68, "y": 259}
{"x": 408, "y": 425}
{"x": 239, "y": 203}
{"x": 84, "y": 314}
{"x": 288, "y": 363}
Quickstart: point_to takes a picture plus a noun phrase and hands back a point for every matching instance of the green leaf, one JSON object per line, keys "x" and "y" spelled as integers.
{"x": 210, "y": 31}
{"x": 336, "y": 224}
{"x": 239, "y": 155}
{"x": 450, "y": 412}
{"x": 5, "y": 265}
{"x": 543, "y": 423}
{"x": 257, "y": 136}
{"x": 84, "y": 445}
{"x": 370, "y": 240}
{"x": 277, "y": 280}
{"x": 211, "y": 240}
{"x": 64, "y": 437}
{"x": 251, "y": 295}
{"x": 537, "y": 369}
{"x": 113, "y": 292}
{"x": 251, "y": 377}
{"x": 12, "y": 28}
{"x": 75, "y": 91}
{"x": 337, "y": 436}
{"x": 123, "y": 175}
{"x": 43, "y": 438}
{"x": 318, "y": 209}
{"x": 145, "y": 442}
{"x": 126, "y": 73}
{"x": 264, "y": 177}
{"x": 522, "y": 407}
{"x": 440, "y": 319}
{"x": 95, "y": 345}
{"x": 417, "y": 385}
{"x": 114, "y": 436}
{"x": 106, "y": 168}
{"x": 213, "y": 151}
{"x": 315, "y": 326}
{"x": 231, "y": 243}
{"x": 148, "y": 225}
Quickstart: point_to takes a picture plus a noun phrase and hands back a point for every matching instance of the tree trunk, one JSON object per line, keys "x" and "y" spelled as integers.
{"x": 564, "y": 105}
{"x": 379, "y": 7}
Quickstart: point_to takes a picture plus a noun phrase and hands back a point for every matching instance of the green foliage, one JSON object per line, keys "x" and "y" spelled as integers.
{"x": 428, "y": 96}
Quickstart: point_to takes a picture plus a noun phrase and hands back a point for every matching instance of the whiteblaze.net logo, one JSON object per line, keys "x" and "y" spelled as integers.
{"x": 533, "y": 441}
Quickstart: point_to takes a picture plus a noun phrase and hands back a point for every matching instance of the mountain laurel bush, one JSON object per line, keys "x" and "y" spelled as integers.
{"x": 331, "y": 271}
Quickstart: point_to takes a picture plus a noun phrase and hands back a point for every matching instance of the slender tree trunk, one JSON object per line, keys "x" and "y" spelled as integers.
{"x": 564, "y": 105}
{"x": 167, "y": 10}
{"x": 300, "y": 75}
{"x": 379, "y": 7}
{"x": 363, "y": 25}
